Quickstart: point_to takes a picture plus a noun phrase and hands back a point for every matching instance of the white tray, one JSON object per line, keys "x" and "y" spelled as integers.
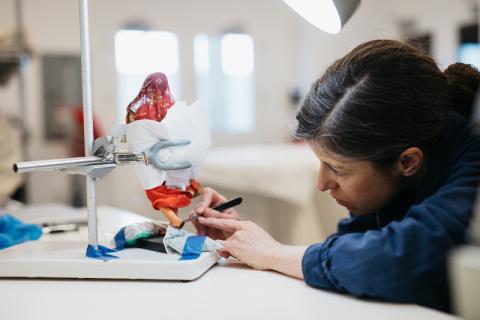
{"x": 66, "y": 259}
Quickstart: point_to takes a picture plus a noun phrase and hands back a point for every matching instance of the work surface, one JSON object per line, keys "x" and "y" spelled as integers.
{"x": 229, "y": 290}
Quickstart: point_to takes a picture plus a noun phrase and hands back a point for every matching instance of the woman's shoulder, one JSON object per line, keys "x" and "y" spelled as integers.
{"x": 457, "y": 154}
{"x": 459, "y": 125}
{"x": 462, "y": 140}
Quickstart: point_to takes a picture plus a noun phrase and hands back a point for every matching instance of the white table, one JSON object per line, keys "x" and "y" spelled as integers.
{"x": 229, "y": 290}
{"x": 278, "y": 182}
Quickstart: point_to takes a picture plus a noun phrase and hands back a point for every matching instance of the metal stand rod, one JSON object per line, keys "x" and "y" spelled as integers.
{"x": 22, "y": 81}
{"x": 22, "y": 88}
{"x": 88, "y": 119}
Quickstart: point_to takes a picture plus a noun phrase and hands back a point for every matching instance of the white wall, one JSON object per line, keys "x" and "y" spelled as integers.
{"x": 289, "y": 52}
{"x": 381, "y": 19}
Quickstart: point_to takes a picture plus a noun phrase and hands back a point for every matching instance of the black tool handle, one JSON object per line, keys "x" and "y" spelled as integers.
{"x": 228, "y": 204}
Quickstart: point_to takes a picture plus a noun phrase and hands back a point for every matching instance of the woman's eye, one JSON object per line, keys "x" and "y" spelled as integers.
{"x": 337, "y": 173}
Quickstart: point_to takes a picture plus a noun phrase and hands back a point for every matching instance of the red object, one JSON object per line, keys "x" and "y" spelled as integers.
{"x": 78, "y": 141}
{"x": 153, "y": 100}
{"x": 164, "y": 197}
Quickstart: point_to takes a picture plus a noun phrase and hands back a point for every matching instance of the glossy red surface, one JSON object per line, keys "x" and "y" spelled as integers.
{"x": 153, "y": 100}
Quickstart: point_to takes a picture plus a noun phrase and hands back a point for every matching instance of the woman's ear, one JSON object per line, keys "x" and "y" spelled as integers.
{"x": 410, "y": 161}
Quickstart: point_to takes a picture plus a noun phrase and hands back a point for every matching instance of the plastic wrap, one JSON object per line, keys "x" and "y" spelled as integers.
{"x": 152, "y": 116}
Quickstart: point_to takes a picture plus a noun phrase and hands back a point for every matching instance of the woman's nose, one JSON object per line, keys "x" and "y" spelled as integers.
{"x": 324, "y": 181}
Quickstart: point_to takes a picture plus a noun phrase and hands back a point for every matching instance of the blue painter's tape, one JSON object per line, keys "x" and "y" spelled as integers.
{"x": 102, "y": 253}
{"x": 104, "y": 249}
{"x": 120, "y": 239}
{"x": 193, "y": 247}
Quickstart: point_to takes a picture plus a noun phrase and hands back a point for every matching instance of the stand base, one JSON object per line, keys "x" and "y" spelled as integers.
{"x": 66, "y": 259}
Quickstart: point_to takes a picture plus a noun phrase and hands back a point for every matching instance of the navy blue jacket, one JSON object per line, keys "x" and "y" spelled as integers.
{"x": 399, "y": 253}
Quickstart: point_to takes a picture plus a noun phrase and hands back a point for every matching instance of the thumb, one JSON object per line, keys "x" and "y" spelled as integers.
{"x": 224, "y": 251}
{"x": 224, "y": 246}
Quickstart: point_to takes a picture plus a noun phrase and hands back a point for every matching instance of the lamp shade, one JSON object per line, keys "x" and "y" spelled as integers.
{"x": 327, "y": 15}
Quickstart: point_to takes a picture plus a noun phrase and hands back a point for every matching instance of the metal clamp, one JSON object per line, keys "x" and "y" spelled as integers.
{"x": 152, "y": 155}
{"x": 105, "y": 158}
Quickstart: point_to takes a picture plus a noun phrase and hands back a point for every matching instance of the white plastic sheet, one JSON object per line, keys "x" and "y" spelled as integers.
{"x": 183, "y": 121}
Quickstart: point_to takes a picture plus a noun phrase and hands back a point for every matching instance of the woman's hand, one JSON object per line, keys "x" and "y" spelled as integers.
{"x": 248, "y": 242}
{"x": 254, "y": 246}
{"x": 245, "y": 240}
{"x": 212, "y": 198}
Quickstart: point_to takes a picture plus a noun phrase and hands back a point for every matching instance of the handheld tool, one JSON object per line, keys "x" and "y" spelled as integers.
{"x": 224, "y": 206}
{"x": 156, "y": 243}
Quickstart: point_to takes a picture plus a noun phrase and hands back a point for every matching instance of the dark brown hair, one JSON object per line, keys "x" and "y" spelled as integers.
{"x": 381, "y": 98}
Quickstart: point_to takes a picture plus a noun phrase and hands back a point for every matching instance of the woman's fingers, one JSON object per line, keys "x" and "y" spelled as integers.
{"x": 223, "y": 252}
{"x": 213, "y": 233}
{"x": 210, "y": 197}
{"x": 247, "y": 242}
{"x": 230, "y": 214}
{"x": 201, "y": 229}
{"x": 209, "y": 213}
{"x": 227, "y": 225}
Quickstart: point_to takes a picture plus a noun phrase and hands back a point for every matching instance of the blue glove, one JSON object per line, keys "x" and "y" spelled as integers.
{"x": 14, "y": 231}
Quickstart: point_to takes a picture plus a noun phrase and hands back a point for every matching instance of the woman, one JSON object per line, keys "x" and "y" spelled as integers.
{"x": 392, "y": 135}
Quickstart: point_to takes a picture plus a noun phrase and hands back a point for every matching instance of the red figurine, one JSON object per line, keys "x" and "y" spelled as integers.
{"x": 153, "y": 102}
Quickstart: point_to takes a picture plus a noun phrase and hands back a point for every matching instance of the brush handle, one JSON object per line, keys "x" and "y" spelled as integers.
{"x": 228, "y": 204}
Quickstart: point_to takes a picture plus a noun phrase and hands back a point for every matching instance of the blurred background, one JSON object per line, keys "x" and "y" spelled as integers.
{"x": 251, "y": 60}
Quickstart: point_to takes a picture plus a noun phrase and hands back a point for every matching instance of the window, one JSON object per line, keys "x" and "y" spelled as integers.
{"x": 224, "y": 68}
{"x": 469, "y": 53}
{"x": 139, "y": 53}
{"x": 469, "y": 46}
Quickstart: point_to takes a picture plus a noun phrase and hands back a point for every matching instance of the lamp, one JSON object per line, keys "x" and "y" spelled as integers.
{"x": 327, "y": 15}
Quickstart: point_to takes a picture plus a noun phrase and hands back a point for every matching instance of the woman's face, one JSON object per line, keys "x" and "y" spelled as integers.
{"x": 354, "y": 184}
